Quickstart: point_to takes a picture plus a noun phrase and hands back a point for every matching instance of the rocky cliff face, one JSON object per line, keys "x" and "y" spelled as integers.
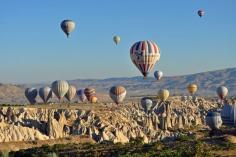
{"x": 112, "y": 123}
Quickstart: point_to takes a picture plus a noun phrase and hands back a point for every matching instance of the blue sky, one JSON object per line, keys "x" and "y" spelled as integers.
{"x": 34, "y": 49}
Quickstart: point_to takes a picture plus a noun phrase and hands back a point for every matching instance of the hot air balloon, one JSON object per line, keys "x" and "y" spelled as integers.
{"x": 45, "y": 94}
{"x": 116, "y": 39}
{"x": 89, "y": 92}
{"x": 200, "y": 13}
{"x": 93, "y": 99}
{"x": 192, "y": 88}
{"x": 144, "y": 55}
{"x": 117, "y": 94}
{"x": 146, "y": 104}
{"x": 81, "y": 95}
{"x": 158, "y": 74}
{"x": 60, "y": 88}
{"x": 222, "y": 92}
{"x": 228, "y": 114}
{"x": 70, "y": 93}
{"x": 213, "y": 120}
{"x": 67, "y": 26}
{"x": 31, "y": 94}
{"x": 163, "y": 94}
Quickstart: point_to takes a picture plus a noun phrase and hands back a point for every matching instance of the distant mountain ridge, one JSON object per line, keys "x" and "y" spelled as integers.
{"x": 207, "y": 83}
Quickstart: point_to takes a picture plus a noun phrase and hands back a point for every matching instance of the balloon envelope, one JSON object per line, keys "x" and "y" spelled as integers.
{"x": 67, "y": 26}
{"x": 201, "y": 13}
{"x": 222, "y": 92}
{"x": 93, "y": 99}
{"x": 60, "y": 88}
{"x": 81, "y": 95}
{"x": 70, "y": 93}
{"x": 89, "y": 92}
{"x": 117, "y": 94}
{"x": 45, "y": 94}
{"x": 144, "y": 55}
{"x": 158, "y": 75}
{"x": 146, "y": 104}
{"x": 163, "y": 94}
{"x": 116, "y": 39}
{"x": 192, "y": 88}
{"x": 213, "y": 120}
{"x": 31, "y": 94}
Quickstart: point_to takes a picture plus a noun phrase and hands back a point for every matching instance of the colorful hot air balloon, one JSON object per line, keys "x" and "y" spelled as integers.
{"x": 116, "y": 39}
{"x": 158, "y": 75}
{"x": 222, "y": 92}
{"x": 81, "y": 95}
{"x": 117, "y": 94}
{"x": 45, "y": 94}
{"x": 89, "y": 92}
{"x": 213, "y": 120}
{"x": 60, "y": 88}
{"x": 31, "y": 94}
{"x": 70, "y": 93}
{"x": 192, "y": 88}
{"x": 93, "y": 99}
{"x": 67, "y": 26}
{"x": 200, "y": 13}
{"x": 146, "y": 104}
{"x": 163, "y": 94}
{"x": 144, "y": 55}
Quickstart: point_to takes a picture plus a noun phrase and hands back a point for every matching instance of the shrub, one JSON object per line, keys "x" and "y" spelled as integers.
{"x": 4, "y": 154}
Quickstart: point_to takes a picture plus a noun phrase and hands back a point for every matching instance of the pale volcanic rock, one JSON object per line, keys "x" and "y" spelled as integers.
{"x": 19, "y": 133}
{"x": 116, "y": 124}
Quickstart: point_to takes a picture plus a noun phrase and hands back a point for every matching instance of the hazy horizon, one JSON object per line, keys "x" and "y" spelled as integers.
{"x": 34, "y": 49}
{"x": 150, "y": 76}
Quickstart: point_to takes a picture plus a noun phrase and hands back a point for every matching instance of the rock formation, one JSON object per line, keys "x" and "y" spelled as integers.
{"x": 120, "y": 124}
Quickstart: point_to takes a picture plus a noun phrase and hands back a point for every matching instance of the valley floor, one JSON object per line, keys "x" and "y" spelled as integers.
{"x": 198, "y": 144}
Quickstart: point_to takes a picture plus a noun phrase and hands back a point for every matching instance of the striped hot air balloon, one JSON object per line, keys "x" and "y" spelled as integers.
{"x": 144, "y": 55}
{"x": 60, "y": 88}
{"x": 89, "y": 92}
{"x": 70, "y": 93}
{"x": 31, "y": 94}
{"x": 45, "y": 94}
{"x": 117, "y": 94}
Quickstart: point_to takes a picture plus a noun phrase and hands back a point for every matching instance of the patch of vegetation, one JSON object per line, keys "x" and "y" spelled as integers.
{"x": 227, "y": 145}
{"x": 11, "y": 105}
{"x": 187, "y": 146}
{"x": 4, "y": 154}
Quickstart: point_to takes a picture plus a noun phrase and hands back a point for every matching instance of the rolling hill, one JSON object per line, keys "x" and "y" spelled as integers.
{"x": 207, "y": 83}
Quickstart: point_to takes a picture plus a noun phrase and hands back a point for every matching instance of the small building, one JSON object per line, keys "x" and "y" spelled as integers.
{"x": 228, "y": 114}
